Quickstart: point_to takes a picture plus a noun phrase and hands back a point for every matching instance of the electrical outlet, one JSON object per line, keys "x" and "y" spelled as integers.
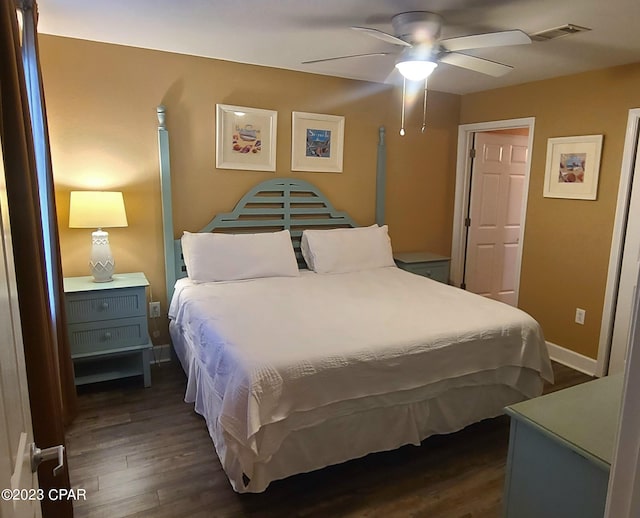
{"x": 156, "y": 334}
{"x": 580, "y": 314}
{"x": 154, "y": 309}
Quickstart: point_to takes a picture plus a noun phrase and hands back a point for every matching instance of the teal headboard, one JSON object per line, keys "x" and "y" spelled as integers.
{"x": 276, "y": 204}
{"x": 272, "y": 205}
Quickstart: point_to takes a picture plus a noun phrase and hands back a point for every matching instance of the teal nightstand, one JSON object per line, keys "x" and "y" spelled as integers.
{"x": 107, "y": 325}
{"x": 430, "y": 265}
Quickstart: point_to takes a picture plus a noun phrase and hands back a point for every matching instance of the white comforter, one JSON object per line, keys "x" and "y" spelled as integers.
{"x": 300, "y": 349}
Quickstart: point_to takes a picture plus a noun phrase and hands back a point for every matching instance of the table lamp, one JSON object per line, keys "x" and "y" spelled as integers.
{"x": 98, "y": 209}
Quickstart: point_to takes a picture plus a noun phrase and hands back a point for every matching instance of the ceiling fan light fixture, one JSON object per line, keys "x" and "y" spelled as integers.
{"x": 416, "y": 70}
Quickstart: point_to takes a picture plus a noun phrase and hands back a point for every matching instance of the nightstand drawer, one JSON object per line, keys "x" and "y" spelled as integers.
{"x": 437, "y": 271}
{"x": 107, "y": 305}
{"x": 427, "y": 264}
{"x": 87, "y": 338}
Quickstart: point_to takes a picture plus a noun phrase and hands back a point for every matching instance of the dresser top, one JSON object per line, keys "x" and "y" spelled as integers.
{"x": 120, "y": 280}
{"x": 584, "y": 417}
{"x": 418, "y": 257}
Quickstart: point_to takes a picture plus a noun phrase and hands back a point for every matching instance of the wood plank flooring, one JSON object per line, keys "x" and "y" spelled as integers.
{"x": 145, "y": 453}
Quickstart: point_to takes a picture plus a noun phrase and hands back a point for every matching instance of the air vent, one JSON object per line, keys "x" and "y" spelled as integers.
{"x": 558, "y": 32}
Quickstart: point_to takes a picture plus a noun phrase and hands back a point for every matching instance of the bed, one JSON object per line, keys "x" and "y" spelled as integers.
{"x": 297, "y": 372}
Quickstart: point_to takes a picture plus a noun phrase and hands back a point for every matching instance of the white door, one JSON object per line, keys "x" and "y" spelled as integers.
{"x": 495, "y": 212}
{"x": 628, "y": 275}
{"x": 16, "y": 434}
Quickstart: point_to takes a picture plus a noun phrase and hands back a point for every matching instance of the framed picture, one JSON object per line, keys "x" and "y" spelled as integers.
{"x": 245, "y": 138}
{"x": 573, "y": 165}
{"x": 317, "y": 142}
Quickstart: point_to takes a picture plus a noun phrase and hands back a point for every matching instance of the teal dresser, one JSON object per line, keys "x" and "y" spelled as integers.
{"x": 430, "y": 265}
{"x": 560, "y": 451}
{"x": 107, "y": 325}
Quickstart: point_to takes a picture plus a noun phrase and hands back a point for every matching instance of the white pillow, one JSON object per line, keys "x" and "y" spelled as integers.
{"x": 229, "y": 257}
{"x": 304, "y": 241}
{"x": 343, "y": 250}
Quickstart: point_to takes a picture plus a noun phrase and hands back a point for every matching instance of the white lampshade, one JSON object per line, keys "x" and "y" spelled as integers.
{"x": 98, "y": 209}
{"x": 416, "y": 70}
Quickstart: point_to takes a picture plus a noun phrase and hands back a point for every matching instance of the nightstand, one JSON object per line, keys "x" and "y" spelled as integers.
{"x": 107, "y": 323}
{"x": 430, "y": 265}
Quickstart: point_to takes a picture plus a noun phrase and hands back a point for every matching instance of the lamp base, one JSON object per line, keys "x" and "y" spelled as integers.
{"x": 101, "y": 262}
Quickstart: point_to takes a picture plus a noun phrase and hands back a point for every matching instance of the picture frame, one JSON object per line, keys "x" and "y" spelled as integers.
{"x": 573, "y": 167}
{"x": 317, "y": 142}
{"x": 245, "y": 138}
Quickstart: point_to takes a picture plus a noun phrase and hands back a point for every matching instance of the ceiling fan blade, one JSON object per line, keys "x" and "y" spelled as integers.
{"x": 490, "y": 39}
{"x": 346, "y": 57}
{"x": 484, "y": 66}
{"x": 393, "y": 78}
{"x": 382, "y": 36}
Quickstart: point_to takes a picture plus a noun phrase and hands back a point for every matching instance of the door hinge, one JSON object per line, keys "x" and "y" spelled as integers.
{"x": 467, "y": 222}
{"x": 472, "y": 153}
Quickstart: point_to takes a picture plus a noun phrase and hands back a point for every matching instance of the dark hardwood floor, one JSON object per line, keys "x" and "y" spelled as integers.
{"x": 145, "y": 453}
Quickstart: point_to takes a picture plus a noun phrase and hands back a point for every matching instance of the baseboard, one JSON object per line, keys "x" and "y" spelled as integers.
{"x": 572, "y": 359}
{"x": 161, "y": 353}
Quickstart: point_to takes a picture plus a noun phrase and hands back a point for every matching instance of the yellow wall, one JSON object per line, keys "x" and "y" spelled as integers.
{"x": 101, "y": 101}
{"x": 567, "y": 242}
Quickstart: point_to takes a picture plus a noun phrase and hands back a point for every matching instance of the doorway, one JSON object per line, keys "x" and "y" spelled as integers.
{"x": 492, "y": 181}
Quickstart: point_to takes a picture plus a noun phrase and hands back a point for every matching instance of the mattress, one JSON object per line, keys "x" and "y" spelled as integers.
{"x": 270, "y": 360}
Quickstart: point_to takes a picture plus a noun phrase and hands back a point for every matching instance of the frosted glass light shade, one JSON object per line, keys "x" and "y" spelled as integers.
{"x": 101, "y": 209}
{"x": 416, "y": 70}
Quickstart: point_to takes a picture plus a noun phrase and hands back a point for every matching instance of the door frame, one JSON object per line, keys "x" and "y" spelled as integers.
{"x": 624, "y": 481}
{"x": 617, "y": 241}
{"x": 464, "y": 163}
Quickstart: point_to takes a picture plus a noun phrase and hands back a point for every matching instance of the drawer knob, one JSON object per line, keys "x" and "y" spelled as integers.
{"x": 107, "y": 336}
{"x": 105, "y": 305}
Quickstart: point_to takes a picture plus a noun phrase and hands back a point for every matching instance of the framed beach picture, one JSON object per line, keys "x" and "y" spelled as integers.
{"x": 317, "y": 142}
{"x": 573, "y": 165}
{"x": 245, "y": 138}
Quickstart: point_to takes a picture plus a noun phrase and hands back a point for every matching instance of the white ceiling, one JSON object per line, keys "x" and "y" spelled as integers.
{"x": 283, "y": 33}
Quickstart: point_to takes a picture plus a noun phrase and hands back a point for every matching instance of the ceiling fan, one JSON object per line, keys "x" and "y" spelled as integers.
{"x": 418, "y": 33}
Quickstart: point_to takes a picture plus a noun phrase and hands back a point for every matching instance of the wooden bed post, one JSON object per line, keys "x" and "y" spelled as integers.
{"x": 381, "y": 173}
{"x": 167, "y": 210}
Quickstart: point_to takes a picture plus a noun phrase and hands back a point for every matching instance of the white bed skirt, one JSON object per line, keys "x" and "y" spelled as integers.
{"x": 332, "y": 441}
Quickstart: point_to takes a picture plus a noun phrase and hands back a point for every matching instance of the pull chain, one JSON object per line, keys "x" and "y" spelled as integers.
{"x": 424, "y": 109}
{"x": 404, "y": 88}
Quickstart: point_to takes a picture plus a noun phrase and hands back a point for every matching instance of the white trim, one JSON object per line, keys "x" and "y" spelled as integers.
{"x": 463, "y": 172}
{"x": 572, "y": 359}
{"x": 160, "y": 354}
{"x": 617, "y": 241}
{"x": 624, "y": 482}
